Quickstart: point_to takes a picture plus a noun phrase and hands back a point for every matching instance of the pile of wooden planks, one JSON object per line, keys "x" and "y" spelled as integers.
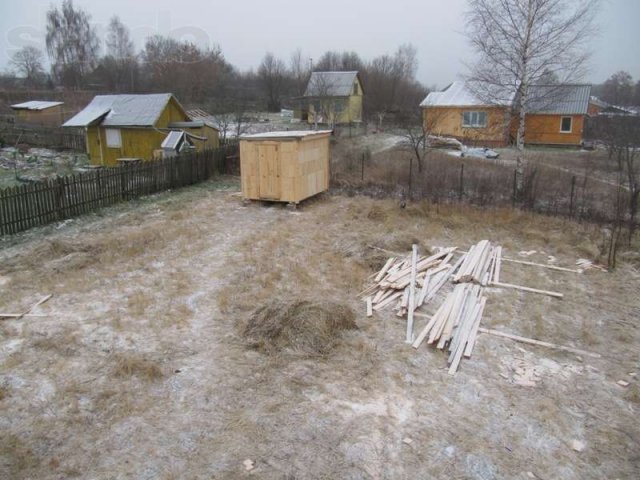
{"x": 455, "y": 324}
{"x": 411, "y": 282}
{"x": 393, "y": 283}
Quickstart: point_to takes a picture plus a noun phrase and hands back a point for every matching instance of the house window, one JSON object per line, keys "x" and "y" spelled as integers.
{"x": 114, "y": 139}
{"x": 565, "y": 125}
{"x": 474, "y": 119}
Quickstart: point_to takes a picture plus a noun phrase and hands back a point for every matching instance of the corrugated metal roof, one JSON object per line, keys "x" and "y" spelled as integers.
{"x": 35, "y": 105}
{"x": 455, "y": 95}
{"x": 557, "y": 99}
{"x": 564, "y": 99}
{"x": 121, "y": 111}
{"x": 172, "y": 140}
{"x": 332, "y": 84}
{"x": 284, "y": 134}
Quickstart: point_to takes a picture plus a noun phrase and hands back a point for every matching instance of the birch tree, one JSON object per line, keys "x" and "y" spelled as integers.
{"x": 519, "y": 42}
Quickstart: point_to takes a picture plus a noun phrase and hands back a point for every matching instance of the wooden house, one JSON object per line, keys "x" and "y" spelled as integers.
{"x": 39, "y": 112}
{"x": 555, "y": 116}
{"x": 285, "y": 166}
{"x": 135, "y": 126}
{"x": 456, "y": 112}
{"x": 333, "y": 98}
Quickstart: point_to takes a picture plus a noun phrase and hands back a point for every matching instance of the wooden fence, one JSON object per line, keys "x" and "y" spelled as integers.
{"x": 40, "y": 203}
{"x": 45, "y": 137}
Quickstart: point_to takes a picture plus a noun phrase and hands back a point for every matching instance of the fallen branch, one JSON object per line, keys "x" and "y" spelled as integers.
{"x": 26, "y": 312}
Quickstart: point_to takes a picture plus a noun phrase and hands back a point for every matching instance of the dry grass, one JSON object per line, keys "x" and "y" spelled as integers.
{"x": 300, "y": 326}
{"x": 129, "y": 364}
{"x": 183, "y": 396}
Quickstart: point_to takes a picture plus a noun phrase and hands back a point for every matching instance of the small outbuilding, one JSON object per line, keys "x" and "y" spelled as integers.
{"x": 39, "y": 112}
{"x": 285, "y": 166}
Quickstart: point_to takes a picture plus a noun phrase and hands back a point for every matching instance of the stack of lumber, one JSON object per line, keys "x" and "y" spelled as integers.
{"x": 455, "y": 324}
{"x": 392, "y": 285}
{"x": 409, "y": 283}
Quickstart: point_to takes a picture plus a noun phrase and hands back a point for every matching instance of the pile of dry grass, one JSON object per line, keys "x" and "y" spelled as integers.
{"x": 300, "y": 326}
{"x": 132, "y": 364}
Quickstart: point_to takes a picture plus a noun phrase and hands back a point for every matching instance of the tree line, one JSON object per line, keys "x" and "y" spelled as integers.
{"x": 200, "y": 75}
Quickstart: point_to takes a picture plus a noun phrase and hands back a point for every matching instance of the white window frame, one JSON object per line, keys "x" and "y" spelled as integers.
{"x": 474, "y": 119}
{"x": 113, "y": 137}
{"x": 570, "y": 124}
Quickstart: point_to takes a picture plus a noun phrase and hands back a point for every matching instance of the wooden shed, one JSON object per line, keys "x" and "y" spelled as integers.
{"x": 285, "y": 166}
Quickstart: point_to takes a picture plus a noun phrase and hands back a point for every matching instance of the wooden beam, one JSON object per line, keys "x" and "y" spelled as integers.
{"x": 532, "y": 341}
{"x": 412, "y": 293}
{"x": 369, "y": 307}
{"x": 386, "y": 267}
{"x": 551, "y": 267}
{"x": 527, "y": 289}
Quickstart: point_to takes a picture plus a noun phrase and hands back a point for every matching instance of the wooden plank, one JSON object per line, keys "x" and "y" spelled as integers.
{"x": 496, "y": 273}
{"x": 432, "y": 322}
{"x": 532, "y": 341}
{"x": 369, "y": 307}
{"x": 471, "y": 342}
{"x": 412, "y": 293}
{"x": 387, "y": 301}
{"x": 384, "y": 270}
{"x": 551, "y": 267}
{"x": 527, "y": 289}
{"x": 40, "y": 302}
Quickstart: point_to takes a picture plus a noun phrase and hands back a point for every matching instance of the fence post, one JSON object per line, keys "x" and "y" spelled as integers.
{"x": 362, "y": 170}
{"x": 515, "y": 187}
{"x": 461, "y": 190}
{"x": 59, "y": 197}
{"x": 573, "y": 189}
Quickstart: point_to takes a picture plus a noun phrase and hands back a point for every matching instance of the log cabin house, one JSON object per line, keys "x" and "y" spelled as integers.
{"x": 333, "y": 98}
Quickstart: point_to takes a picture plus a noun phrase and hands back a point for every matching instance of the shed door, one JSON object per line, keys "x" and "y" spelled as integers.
{"x": 269, "y": 171}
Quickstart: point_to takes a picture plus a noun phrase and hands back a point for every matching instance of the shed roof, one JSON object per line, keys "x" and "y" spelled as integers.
{"x": 122, "y": 111}
{"x": 565, "y": 99}
{"x": 283, "y": 135}
{"x": 35, "y": 105}
{"x": 331, "y": 84}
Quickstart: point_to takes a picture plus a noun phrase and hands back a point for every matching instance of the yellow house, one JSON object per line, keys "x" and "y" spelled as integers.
{"x": 39, "y": 112}
{"x": 134, "y": 126}
{"x": 334, "y": 98}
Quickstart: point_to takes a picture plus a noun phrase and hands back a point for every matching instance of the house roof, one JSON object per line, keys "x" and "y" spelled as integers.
{"x": 330, "y": 84}
{"x": 121, "y": 111}
{"x": 564, "y": 99}
{"x": 455, "y": 95}
{"x": 557, "y": 99}
{"x": 292, "y": 134}
{"x": 35, "y": 105}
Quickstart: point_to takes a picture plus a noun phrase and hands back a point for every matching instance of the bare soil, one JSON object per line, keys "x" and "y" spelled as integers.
{"x": 142, "y": 370}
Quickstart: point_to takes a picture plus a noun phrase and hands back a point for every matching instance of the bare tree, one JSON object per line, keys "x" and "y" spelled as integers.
{"x": 272, "y": 74}
{"x": 618, "y": 89}
{"x": 300, "y": 69}
{"x": 119, "y": 66}
{"x": 519, "y": 42}
{"x": 72, "y": 43}
{"x": 184, "y": 68}
{"x": 391, "y": 84}
{"x": 28, "y": 63}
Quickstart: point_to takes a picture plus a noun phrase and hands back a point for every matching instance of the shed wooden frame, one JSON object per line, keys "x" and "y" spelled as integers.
{"x": 285, "y": 166}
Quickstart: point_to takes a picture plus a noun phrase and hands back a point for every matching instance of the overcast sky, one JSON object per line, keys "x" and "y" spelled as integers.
{"x": 246, "y": 29}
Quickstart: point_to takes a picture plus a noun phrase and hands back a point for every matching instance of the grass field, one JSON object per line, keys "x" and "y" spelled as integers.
{"x": 142, "y": 370}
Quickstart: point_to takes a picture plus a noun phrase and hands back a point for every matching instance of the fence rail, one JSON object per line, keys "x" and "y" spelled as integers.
{"x": 39, "y": 203}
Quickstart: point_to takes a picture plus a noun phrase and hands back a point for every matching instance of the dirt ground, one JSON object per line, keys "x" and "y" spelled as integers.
{"x": 141, "y": 371}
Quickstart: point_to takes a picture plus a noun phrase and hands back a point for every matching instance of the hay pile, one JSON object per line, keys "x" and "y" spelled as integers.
{"x": 298, "y": 326}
